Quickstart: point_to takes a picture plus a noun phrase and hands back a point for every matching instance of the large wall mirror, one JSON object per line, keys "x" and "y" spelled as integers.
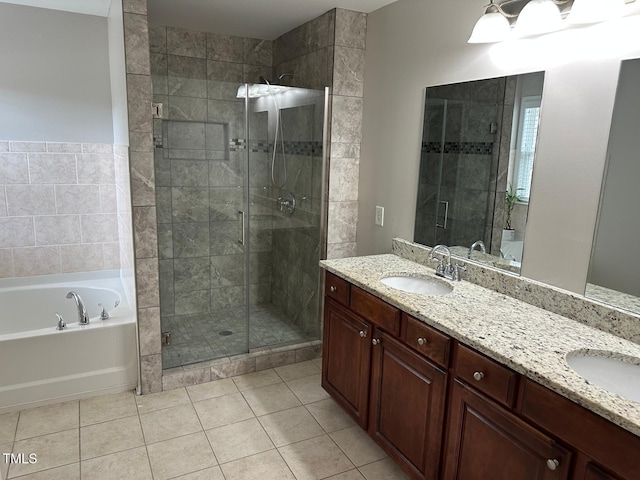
{"x": 477, "y": 158}
{"x": 614, "y": 270}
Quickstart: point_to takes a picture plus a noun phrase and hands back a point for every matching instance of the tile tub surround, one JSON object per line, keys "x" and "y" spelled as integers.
{"x": 277, "y": 424}
{"x": 568, "y": 304}
{"x": 58, "y": 208}
{"x": 528, "y": 339}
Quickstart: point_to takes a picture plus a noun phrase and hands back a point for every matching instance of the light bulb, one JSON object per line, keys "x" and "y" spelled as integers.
{"x": 537, "y": 17}
{"x": 490, "y": 28}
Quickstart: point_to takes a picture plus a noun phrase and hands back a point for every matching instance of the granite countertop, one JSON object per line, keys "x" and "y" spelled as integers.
{"x": 528, "y": 339}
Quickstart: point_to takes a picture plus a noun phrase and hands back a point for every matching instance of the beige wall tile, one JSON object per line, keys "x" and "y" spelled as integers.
{"x": 36, "y": 261}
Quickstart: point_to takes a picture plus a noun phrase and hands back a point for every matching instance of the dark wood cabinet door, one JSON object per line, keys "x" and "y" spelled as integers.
{"x": 587, "y": 470}
{"x": 346, "y": 359}
{"x": 406, "y": 405}
{"x": 486, "y": 442}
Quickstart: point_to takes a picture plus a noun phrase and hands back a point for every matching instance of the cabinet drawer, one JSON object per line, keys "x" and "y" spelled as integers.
{"x": 375, "y": 310}
{"x": 485, "y": 375}
{"x": 428, "y": 341}
{"x": 337, "y": 288}
{"x": 610, "y": 446}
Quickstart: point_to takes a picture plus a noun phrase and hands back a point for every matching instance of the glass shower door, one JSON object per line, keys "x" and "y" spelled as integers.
{"x": 285, "y": 149}
{"x": 239, "y": 199}
{"x": 200, "y": 158}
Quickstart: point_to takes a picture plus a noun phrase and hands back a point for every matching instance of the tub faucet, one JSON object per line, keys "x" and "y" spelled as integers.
{"x": 83, "y": 318}
{"x": 477, "y": 243}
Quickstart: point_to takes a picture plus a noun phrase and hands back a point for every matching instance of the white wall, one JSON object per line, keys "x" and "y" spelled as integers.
{"x": 55, "y": 83}
{"x": 412, "y": 44}
{"x": 118, "y": 74}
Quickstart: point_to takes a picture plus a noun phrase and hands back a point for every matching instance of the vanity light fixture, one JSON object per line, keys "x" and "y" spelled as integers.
{"x": 537, "y": 17}
{"x": 593, "y": 11}
{"x": 493, "y": 26}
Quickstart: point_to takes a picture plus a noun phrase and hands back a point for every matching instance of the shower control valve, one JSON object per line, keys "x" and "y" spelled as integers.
{"x": 287, "y": 203}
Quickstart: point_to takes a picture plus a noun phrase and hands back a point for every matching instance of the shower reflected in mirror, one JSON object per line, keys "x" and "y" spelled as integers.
{"x": 477, "y": 157}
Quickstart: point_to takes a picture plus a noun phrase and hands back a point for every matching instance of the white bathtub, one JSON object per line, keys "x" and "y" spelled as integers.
{"x": 39, "y": 364}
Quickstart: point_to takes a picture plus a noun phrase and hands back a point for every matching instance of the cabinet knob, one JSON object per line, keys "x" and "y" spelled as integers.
{"x": 333, "y": 288}
{"x": 422, "y": 341}
{"x": 479, "y": 376}
{"x": 363, "y": 333}
{"x": 375, "y": 341}
{"x": 552, "y": 464}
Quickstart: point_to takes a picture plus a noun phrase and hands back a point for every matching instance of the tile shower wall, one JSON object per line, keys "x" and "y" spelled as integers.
{"x": 330, "y": 51}
{"x": 58, "y": 208}
{"x": 200, "y": 147}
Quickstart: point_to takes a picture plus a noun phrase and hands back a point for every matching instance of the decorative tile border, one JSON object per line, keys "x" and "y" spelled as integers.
{"x": 468, "y": 148}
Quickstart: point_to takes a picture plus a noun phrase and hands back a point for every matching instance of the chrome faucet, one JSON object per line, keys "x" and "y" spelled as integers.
{"x": 83, "y": 318}
{"x": 477, "y": 243}
{"x": 446, "y": 270}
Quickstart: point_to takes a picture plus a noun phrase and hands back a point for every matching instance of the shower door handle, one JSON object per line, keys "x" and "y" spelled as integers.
{"x": 242, "y": 238}
{"x": 446, "y": 215}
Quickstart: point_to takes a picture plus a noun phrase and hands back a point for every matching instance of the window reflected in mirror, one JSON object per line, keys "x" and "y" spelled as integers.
{"x": 615, "y": 265}
{"x": 477, "y": 156}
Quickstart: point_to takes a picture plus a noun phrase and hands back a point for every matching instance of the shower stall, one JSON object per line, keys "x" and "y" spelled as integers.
{"x": 239, "y": 195}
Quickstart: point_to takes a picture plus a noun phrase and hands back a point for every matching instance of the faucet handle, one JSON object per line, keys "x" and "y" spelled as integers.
{"x": 61, "y": 325}
{"x": 456, "y": 270}
{"x": 104, "y": 315}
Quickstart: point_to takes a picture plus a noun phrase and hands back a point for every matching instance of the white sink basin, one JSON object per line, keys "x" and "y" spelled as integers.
{"x": 425, "y": 286}
{"x": 614, "y": 372}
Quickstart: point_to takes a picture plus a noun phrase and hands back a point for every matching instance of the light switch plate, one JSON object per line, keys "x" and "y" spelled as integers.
{"x": 379, "y": 216}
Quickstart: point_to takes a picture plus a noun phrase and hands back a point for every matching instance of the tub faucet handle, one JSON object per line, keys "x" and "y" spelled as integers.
{"x": 61, "y": 324}
{"x": 104, "y": 315}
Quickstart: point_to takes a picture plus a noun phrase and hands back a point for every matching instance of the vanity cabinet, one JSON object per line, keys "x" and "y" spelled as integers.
{"x": 407, "y": 404}
{"x": 485, "y": 439}
{"x": 393, "y": 392}
{"x": 444, "y": 411}
{"x": 346, "y": 352}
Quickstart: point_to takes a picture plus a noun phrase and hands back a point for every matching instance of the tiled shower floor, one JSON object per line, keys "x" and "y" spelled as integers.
{"x": 198, "y": 338}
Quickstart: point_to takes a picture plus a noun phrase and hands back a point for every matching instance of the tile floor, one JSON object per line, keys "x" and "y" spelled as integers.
{"x": 276, "y": 424}
{"x": 202, "y": 337}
